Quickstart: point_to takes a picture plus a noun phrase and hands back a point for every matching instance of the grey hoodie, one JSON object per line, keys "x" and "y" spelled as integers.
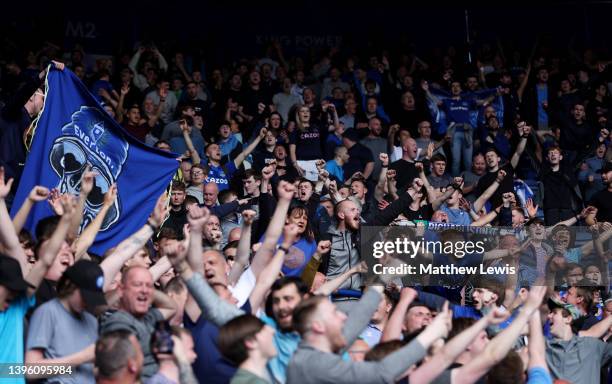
{"x": 578, "y": 360}
{"x": 343, "y": 255}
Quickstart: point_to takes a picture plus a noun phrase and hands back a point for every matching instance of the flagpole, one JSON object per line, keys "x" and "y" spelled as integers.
{"x": 467, "y": 35}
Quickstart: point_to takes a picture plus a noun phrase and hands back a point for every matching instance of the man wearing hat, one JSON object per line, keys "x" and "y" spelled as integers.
{"x": 62, "y": 330}
{"x": 569, "y": 356}
{"x": 603, "y": 199}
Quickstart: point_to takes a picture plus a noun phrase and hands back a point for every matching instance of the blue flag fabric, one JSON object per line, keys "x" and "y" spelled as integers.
{"x": 74, "y": 131}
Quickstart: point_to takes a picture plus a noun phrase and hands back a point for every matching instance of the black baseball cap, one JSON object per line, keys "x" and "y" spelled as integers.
{"x": 11, "y": 275}
{"x": 89, "y": 277}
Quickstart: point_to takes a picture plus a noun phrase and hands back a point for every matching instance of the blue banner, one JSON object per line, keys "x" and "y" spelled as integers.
{"x": 74, "y": 131}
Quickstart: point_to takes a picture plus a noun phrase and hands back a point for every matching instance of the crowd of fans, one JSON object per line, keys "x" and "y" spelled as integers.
{"x": 251, "y": 268}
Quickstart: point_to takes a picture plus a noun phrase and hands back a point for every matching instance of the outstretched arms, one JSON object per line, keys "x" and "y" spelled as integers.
{"x": 524, "y": 130}
{"x": 499, "y": 346}
{"x": 250, "y": 148}
{"x": 244, "y": 247}
{"x": 37, "y": 194}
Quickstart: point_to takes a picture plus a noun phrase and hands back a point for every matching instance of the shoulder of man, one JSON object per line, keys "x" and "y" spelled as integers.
{"x": 118, "y": 320}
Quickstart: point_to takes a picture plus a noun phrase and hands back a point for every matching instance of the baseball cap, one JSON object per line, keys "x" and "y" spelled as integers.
{"x": 11, "y": 276}
{"x": 606, "y": 168}
{"x": 554, "y": 303}
{"x": 89, "y": 277}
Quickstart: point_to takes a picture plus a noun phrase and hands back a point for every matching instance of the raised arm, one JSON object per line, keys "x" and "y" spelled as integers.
{"x": 521, "y": 89}
{"x": 37, "y": 194}
{"x": 427, "y": 372}
{"x": 310, "y": 271}
{"x": 120, "y": 110}
{"x": 163, "y": 64}
{"x": 368, "y": 169}
{"x": 266, "y": 175}
{"x": 591, "y": 218}
{"x": 487, "y": 100}
{"x": 197, "y": 218}
{"x": 431, "y": 193}
{"x": 573, "y": 220}
{"x": 112, "y": 264}
{"x": 133, "y": 64}
{"x": 379, "y": 192}
{"x": 429, "y": 95}
{"x": 438, "y": 329}
{"x": 161, "y": 266}
{"x": 335, "y": 118}
{"x": 330, "y": 286}
{"x": 55, "y": 242}
{"x": 269, "y": 275}
{"x": 598, "y": 330}
{"x": 87, "y": 184}
{"x": 499, "y": 346}
{"x": 486, "y": 195}
{"x": 185, "y": 129}
{"x": 275, "y": 227}
{"x": 87, "y": 237}
{"x": 250, "y": 148}
{"x": 393, "y": 129}
{"x": 8, "y": 236}
{"x": 438, "y": 201}
{"x": 163, "y": 93}
{"x": 393, "y": 328}
{"x": 361, "y": 313}
{"x": 601, "y": 238}
{"x": 244, "y": 247}
{"x": 484, "y": 220}
{"x": 392, "y": 183}
{"x": 393, "y": 366}
{"x": 524, "y": 130}
{"x": 537, "y": 346}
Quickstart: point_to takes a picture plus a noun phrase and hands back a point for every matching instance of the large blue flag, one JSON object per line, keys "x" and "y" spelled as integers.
{"x": 72, "y": 132}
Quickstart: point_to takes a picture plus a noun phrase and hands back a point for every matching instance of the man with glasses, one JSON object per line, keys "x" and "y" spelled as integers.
{"x": 196, "y": 188}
